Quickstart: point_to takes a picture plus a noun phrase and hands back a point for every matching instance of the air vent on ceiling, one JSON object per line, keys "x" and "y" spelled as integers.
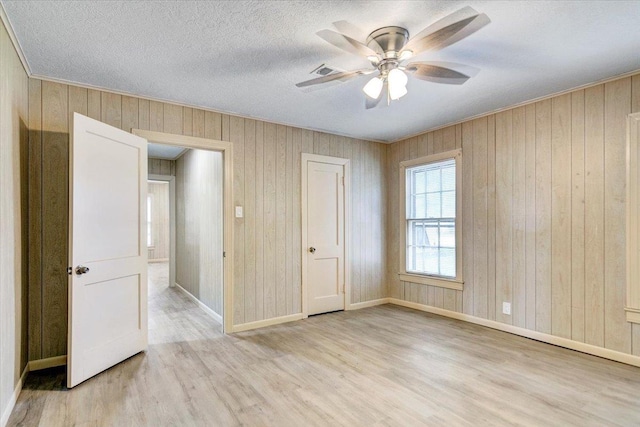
{"x": 322, "y": 70}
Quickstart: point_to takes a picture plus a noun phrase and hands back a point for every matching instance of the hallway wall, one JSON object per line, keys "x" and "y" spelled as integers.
{"x": 199, "y": 226}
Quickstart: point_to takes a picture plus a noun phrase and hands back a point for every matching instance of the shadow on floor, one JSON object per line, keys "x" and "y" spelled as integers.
{"x": 53, "y": 379}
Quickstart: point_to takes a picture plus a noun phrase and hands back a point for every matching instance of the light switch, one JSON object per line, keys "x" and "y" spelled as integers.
{"x": 238, "y": 211}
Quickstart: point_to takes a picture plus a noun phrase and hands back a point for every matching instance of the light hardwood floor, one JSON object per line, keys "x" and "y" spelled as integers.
{"x": 385, "y": 365}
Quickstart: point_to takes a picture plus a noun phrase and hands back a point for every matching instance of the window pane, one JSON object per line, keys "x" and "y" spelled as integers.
{"x": 432, "y": 235}
{"x": 433, "y": 180}
{"x": 448, "y": 234}
{"x": 420, "y": 206}
{"x": 448, "y": 262}
{"x": 449, "y": 204}
{"x": 433, "y": 205}
{"x": 449, "y": 178}
{"x": 419, "y": 178}
{"x": 430, "y": 260}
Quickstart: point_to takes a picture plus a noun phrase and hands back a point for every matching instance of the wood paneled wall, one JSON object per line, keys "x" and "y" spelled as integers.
{"x": 160, "y": 226}
{"x": 543, "y": 215}
{"x": 161, "y": 167}
{"x": 266, "y": 183}
{"x": 14, "y": 196}
{"x": 199, "y": 226}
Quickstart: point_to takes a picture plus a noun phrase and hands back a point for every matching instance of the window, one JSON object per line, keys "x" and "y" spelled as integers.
{"x": 431, "y": 245}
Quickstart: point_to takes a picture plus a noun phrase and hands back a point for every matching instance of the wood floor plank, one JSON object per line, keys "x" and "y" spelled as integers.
{"x": 384, "y": 365}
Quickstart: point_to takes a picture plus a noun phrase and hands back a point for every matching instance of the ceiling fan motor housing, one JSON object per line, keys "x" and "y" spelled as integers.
{"x": 390, "y": 39}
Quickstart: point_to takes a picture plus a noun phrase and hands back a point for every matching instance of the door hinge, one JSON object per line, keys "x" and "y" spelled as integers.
{"x": 224, "y": 254}
{"x": 69, "y": 271}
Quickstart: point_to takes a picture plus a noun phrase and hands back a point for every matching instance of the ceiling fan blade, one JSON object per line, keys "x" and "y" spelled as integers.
{"x": 373, "y": 103}
{"x": 345, "y": 75}
{"x": 435, "y": 73}
{"x": 345, "y": 43}
{"x": 447, "y": 30}
{"x": 346, "y": 27}
{"x": 467, "y": 70}
{"x": 478, "y": 23}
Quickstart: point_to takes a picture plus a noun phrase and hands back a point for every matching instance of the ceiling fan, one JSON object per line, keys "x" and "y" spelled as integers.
{"x": 388, "y": 47}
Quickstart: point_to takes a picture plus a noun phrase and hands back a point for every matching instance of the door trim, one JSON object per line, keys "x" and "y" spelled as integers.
{"x": 172, "y": 223}
{"x": 346, "y": 165}
{"x": 226, "y": 148}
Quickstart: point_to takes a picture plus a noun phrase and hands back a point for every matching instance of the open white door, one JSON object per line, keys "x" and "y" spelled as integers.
{"x": 107, "y": 252}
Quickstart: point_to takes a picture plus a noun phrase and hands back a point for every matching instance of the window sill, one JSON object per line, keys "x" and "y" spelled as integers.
{"x": 633, "y": 315}
{"x": 432, "y": 281}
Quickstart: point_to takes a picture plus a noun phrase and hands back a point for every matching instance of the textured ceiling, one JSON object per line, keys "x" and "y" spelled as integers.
{"x": 166, "y": 152}
{"x": 244, "y": 57}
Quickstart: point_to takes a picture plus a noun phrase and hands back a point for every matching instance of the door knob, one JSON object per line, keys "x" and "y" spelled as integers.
{"x": 81, "y": 270}
{"x": 312, "y": 250}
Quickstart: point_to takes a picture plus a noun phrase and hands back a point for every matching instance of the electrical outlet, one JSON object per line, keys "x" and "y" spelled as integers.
{"x": 239, "y": 212}
{"x": 506, "y": 308}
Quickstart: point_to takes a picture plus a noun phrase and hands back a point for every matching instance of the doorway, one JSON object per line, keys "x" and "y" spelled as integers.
{"x": 325, "y": 234}
{"x": 199, "y": 174}
{"x": 161, "y": 231}
{"x": 193, "y": 193}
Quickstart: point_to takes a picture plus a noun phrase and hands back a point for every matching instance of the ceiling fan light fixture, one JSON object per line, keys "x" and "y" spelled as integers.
{"x": 397, "y": 92}
{"x": 405, "y": 54}
{"x": 373, "y": 88}
{"x": 397, "y": 84}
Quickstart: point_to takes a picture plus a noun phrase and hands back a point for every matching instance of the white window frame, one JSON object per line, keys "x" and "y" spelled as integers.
{"x": 426, "y": 279}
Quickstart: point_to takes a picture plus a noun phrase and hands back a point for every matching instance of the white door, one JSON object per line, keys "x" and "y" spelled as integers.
{"x": 324, "y": 228}
{"x": 108, "y": 253}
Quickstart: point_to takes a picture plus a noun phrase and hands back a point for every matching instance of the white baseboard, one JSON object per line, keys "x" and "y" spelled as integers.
{"x": 50, "y": 362}
{"x": 14, "y": 397}
{"x": 293, "y": 317}
{"x": 202, "y": 305}
{"x": 365, "y": 304}
{"x": 535, "y": 335}
{"x": 268, "y": 322}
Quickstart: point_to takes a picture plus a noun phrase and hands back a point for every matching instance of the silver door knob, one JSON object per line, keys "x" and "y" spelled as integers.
{"x": 312, "y": 250}
{"x": 81, "y": 270}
